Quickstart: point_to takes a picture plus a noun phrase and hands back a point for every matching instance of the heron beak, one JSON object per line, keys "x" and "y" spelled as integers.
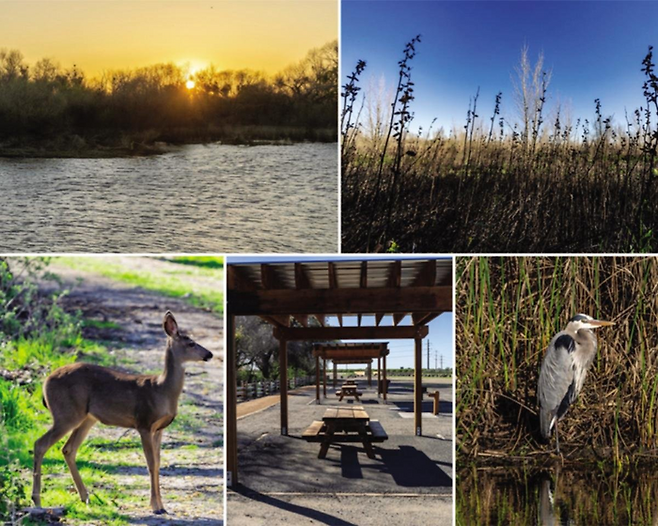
{"x": 601, "y": 323}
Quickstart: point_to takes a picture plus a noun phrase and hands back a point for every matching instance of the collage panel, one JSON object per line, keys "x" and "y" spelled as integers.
{"x": 499, "y": 127}
{"x": 556, "y": 390}
{"x": 339, "y": 390}
{"x": 156, "y": 126}
{"x": 111, "y": 390}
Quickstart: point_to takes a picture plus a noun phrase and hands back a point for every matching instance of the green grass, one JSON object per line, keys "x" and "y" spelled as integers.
{"x": 199, "y": 261}
{"x": 100, "y": 324}
{"x": 178, "y": 283}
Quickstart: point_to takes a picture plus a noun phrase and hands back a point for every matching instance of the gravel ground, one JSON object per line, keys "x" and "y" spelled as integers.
{"x": 283, "y": 481}
{"x": 191, "y": 479}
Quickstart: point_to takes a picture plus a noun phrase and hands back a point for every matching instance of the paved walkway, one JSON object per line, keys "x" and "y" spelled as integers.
{"x": 283, "y": 481}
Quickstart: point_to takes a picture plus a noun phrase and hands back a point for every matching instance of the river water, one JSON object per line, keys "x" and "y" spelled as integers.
{"x": 199, "y": 198}
{"x": 558, "y": 496}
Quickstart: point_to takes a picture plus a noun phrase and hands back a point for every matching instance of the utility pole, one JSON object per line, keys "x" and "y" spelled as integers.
{"x": 436, "y": 359}
{"x": 441, "y": 361}
{"x": 428, "y": 354}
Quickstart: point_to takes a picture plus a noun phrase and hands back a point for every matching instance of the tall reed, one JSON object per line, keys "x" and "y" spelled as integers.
{"x": 532, "y": 187}
{"x": 507, "y": 311}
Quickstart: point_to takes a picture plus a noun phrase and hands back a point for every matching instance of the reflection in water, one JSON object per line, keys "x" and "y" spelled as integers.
{"x": 554, "y": 496}
{"x": 201, "y": 198}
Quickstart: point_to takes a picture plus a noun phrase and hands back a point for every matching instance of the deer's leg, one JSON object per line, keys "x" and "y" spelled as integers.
{"x": 41, "y": 446}
{"x": 148, "y": 443}
{"x": 70, "y": 451}
{"x": 157, "y": 441}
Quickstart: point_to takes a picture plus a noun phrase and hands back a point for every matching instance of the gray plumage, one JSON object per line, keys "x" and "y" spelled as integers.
{"x": 564, "y": 369}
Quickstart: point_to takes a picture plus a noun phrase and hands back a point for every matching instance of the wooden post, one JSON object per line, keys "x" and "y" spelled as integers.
{"x": 370, "y": 374}
{"x": 379, "y": 377}
{"x": 231, "y": 406}
{"x": 283, "y": 377}
{"x": 418, "y": 387}
{"x": 317, "y": 379}
{"x": 384, "y": 386}
{"x": 335, "y": 374}
{"x": 324, "y": 377}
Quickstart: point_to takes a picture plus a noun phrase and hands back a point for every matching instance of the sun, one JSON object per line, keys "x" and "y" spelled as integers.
{"x": 190, "y": 84}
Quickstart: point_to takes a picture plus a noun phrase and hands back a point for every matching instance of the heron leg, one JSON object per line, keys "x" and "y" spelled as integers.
{"x": 557, "y": 439}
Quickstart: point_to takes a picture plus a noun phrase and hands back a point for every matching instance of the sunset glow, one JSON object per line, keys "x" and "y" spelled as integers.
{"x": 190, "y": 84}
{"x": 262, "y": 35}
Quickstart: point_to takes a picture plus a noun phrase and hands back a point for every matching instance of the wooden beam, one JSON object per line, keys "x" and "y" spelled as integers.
{"x": 237, "y": 279}
{"x": 317, "y": 379}
{"x": 277, "y": 320}
{"x": 350, "y": 333}
{"x": 321, "y": 319}
{"x": 370, "y": 374}
{"x": 418, "y": 387}
{"x": 358, "y": 320}
{"x": 384, "y": 386}
{"x": 269, "y": 278}
{"x": 283, "y": 380}
{"x": 335, "y": 373}
{"x": 340, "y": 301}
{"x": 423, "y": 318}
{"x": 340, "y": 319}
{"x": 231, "y": 405}
{"x": 379, "y": 377}
{"x": 427, "y": 275}
{"x": 378, "y": 318}
{"x": 324, "y": 377}
{"x": 301, "y": 279}
{"x": 333, "y": 281}
{"x": 395, "y": 274}
{"x": 398, "y": 317}
{"x": 364, "y": 274}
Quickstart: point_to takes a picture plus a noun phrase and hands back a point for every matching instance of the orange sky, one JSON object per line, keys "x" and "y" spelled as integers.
{"x": 97, "y": 35}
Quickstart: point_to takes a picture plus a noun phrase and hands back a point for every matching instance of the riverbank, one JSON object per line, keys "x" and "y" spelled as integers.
{"x": 110, "y": 144}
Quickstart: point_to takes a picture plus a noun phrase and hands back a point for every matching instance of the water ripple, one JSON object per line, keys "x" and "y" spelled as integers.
{"x": 203, "y": 198}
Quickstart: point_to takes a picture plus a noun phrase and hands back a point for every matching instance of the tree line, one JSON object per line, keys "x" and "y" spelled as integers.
{"x": 44, "y": 101}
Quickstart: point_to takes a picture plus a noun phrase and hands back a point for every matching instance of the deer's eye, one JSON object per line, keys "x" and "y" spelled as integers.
{"x": 191, "y": 344}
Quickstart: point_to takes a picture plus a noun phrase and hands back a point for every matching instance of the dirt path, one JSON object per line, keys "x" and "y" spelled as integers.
{"x": 192, "y": 454}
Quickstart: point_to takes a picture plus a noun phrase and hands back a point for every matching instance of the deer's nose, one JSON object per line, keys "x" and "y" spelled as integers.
{"x": 208, "y": 356}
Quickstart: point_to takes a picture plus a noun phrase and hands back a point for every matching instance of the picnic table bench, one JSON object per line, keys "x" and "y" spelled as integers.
{"x": 345, "y": 425}
{"x": 349, "y": 390}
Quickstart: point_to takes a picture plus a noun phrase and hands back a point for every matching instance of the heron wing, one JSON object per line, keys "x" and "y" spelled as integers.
{"x": 556, "y": 389}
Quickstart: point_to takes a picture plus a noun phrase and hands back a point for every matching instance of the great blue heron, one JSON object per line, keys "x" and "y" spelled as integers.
{"x": 568, "y": 358}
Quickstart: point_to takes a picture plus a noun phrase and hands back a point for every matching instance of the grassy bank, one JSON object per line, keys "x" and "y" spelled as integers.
{"x": 36, "y": 337}
{"x": 186, "y": 280}
{"x": 508, "y": 309}
{"x": 529, "y": 185}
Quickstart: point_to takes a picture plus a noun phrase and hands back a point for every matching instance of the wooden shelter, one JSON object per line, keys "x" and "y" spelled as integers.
{"x": 349, "y": 353}
{"x": 418, "y": 290}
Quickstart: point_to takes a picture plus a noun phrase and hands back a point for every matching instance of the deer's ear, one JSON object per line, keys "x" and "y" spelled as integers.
{"x": 170, "y": 325}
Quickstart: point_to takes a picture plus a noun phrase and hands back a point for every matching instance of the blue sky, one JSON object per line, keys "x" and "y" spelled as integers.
{"x": 440, "y": 335}
{"x": 594, "y": 49}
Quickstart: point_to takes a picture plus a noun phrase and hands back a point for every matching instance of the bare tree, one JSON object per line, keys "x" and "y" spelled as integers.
{"x": 530, "y": 87}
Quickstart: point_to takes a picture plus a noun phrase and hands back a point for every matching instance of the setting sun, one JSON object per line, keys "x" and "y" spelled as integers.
{"x": 190, "y": 84}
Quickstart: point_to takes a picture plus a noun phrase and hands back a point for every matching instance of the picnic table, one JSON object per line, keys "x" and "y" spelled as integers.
{"x": 349, "y": 390}
{"x": 345, "y": 425}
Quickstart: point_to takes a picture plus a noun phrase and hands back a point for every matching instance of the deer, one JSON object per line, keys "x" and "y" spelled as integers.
{"x": 79, "y": 395}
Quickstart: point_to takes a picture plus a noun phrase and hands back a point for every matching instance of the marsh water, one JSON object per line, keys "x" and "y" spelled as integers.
{"x": 557, "y": 496}
{"x": 199, "y": 198}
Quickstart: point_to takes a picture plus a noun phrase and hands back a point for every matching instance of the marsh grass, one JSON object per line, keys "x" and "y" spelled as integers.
{"x": 507, "y": 311}
{"x": 499, "y": 185}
